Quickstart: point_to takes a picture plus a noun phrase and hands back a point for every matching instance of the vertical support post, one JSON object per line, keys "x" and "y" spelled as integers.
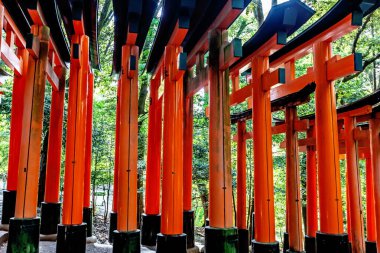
{"x": 127, "y": 236}
{"x": 24, "y": 228}
{"x": 113, "y": 216}
{"x": 371, "y": 223}
{"x": 71, "y": 235}
{"x": 18, "y": 93}
{"x": 87, "y": 209}
{"x": 241, "y": 219}
{"x": 220, "y": 236}
{"x": 188, "y": 213}
{"x": 311, "y": 196}
{"x": 331, "y": 236}
{"x": 265, "y": 240}
{"x": 171, "y": 237}
{"x": 151, "y": 220}
{"x": 375, "y": 156}
{"x": 51, "y": 207}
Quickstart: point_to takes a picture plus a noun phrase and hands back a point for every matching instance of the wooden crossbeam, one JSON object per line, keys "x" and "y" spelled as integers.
{"x": 338, "y": 67}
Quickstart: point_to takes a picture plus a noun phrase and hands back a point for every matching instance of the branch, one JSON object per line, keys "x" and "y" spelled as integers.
{"x": 365, "y": 65}
{"x": 360, "y": 31}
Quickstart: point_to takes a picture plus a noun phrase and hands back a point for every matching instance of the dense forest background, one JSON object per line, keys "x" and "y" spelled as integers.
{"x": 365, "y": 40}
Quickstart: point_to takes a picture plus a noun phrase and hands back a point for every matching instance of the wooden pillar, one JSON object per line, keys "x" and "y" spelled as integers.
{"x": 375, "y": 156}
{"x": 293, "y": 184}
{"x": 87, "y": 209}
{"x": 17, "y": 109}
{"x": 371, "y": 224}
{"x": 151, "y": 219}
{"x": 330, "y": 199}
{"x": 311, "y": 195}
{"x": 241, "y": 220}
{"x": 24, "y": 229}
{"x": 51, "y": 207}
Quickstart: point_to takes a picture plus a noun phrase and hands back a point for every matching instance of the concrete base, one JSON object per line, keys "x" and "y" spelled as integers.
{"x": 243, "y": 240}
{"x": 71, "y": 239}
{"x": 219, "y": 240}
{"x": 113, "y": 226}
{"x": 87, "y": 218}
{"x": 24, "y": 235}
{"x": 9, "y": 205}
{"x": 150, "y": 227}
{"x": 126, "y": 242}
{"x": 188, "y": 228}
{"x": 171, "y": 243}
{"x": 50, "y": 218}
{"x": 258, "y": 247}
{"x": 310, "y": 244}
{"x": 327, "y": 243}
{"x": 370, "y": 247}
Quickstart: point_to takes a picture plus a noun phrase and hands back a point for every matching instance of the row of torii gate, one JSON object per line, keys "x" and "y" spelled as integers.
{"x": 34, "y": 46}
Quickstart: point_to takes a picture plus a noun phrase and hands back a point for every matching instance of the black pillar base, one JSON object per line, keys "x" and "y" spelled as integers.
{"x": 252, "y": 228}
{"x": 113, "y": 226}
{"x": 327, "y": 243}
{"x": 9, "y": 205}
{"x": 310, "y": 244}
{"x": 259, "y": 247}
{"x": 221, "y": 240}
{"x": 243, "y": 240}
{"x": 370, "y": 247}
{"x": 286, "y": 242}
{"x": 50, "y": 218}
{"x": 24, "y": 235}
{"x": 71, "y": 239}
{"x": 87, "y": 218}
{"x": 150, "y": 227}
{"x": 126, "y": 242}
{"x": 207, "y": 224}
{"x": 188, "y": 228}
{"x": 171, "y": 243}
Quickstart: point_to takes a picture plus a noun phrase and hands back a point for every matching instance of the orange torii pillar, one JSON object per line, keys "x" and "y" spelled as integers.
{"x": 87, "y": 209}
{"x": 151, "y": 219}
{"x": 113, "y": 216}
{"x": 19, "y": 87}
{"x": 51, "y": 207}
{"x": 72, "y": 232}
{"x": 371, "y": 223}
{"x": 375, "y": 156}
{"x": 331, "y": 237}
{"x": 188, "y": 213}
{"x": 127, "y": 236}
{"x": 221, "y": 236}
{"x": 354, "y": 188}
{"x": 24, "y": 228}
{"x": 172, "y": 238}
{"x": 293, "y": 175}
{"x": 311, "y": 196}
{"x": 241, "y": 215}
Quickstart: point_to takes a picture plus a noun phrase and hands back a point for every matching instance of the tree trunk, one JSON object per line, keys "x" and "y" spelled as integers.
{"x": 259, "y": 14}
{"x": 41, "y": 183}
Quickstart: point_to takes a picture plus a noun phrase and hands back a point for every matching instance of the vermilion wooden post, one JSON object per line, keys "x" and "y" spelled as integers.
{"x": 375, "y": 156}
{"x": 87, "y": 209}
{"x": 24, "y": 229}
{"x": 127, "y": 235}
{"x": 311, "y": 196}
{"x": 188, "y": 213}
{"x": 293, "y": 185}
{"x": 241, "y": 215}
{"x": 331, "y": 235}
{"x": 113, "y": 216}
{"x": 51, "y": 207}
{"x": 151, "y": 220}
{"x": 172, "y": 180}
{"x": 262, "y": 135}
{"x": 371, "y": 222}
{"x": 354, "y": 189}
{"x": 72, "y": 231}
{"x": 19, "y": 86}
{"x": 220, "y": 176}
